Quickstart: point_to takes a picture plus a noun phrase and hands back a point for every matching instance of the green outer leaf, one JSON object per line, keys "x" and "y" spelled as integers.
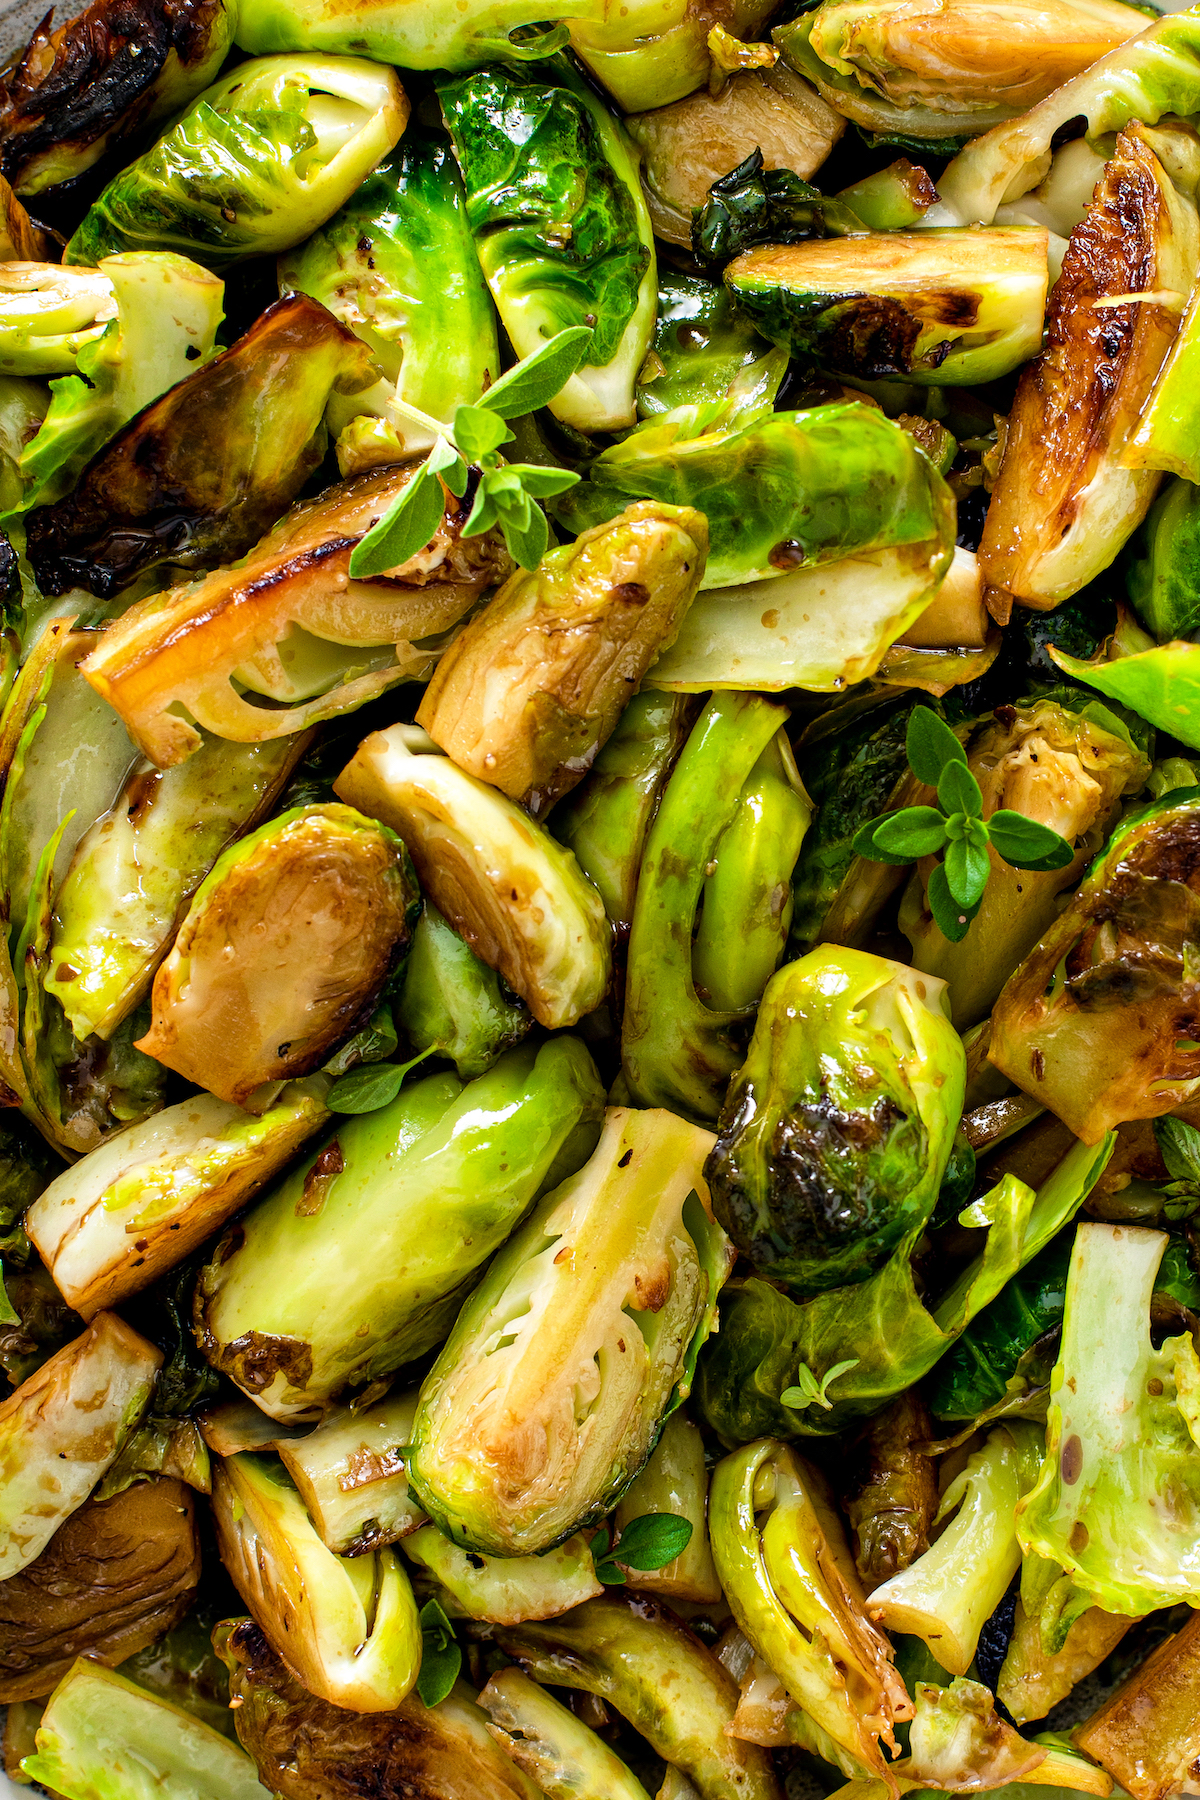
{"x": 1029, "y": 845}
{"x": 536, "y": 379}
{"x": 915, "y": 832}
{"x": 930, "y": 745}
{"x": 441, "y": 1657}
{"x": 957, "y": 789}
{"x": 653, "y": 1540}
{"x": 967, "y": 869}
{"x": 527, "y": 543}
{"x": 953, "y": 918}
{"x": 1163, "y": 685}
{"x": 405, "y": 528}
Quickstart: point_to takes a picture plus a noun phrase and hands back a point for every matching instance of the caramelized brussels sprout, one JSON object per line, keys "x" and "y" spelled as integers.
{"x": 674, "y": 1480}
{"x": 505, "y": 1590}
{"x": 552, "y": 1746}
{"x": 1145, "y": 1735}
{"x": 704, "y": 352}
{"x": 351, "y": 1475}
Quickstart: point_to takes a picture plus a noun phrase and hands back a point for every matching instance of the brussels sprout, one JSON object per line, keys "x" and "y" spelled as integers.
{"x": 453, "y": 1003}
{"x": 1145, "y": 1735}
{"x": 348, "y": 1624}
{"x": 560, "y": 225}
{"x": 695, "y": 141}
{"x": 505, "y": 1590}
{"x": 940, "y": 308}
{"x": 656, "y": 51}
{"x": 836, "y": 1132}
{"x": 605, "y": 822}
{"x": 1032, "y": 1682}
{"x": 23, "y": 406}
{"x": 277, "y": 623}
{"x": 105, "y": 76}
{"x": 703, "y": 352}
{"x": 976, "y": 1372}
{"x": 817, "y": 1367}
{"x": 533, "y": 687}
{"x": 289, "y": 137}
{"x": 63, "y": 1428}
{"x": 1064, "y": 501}
{"x": 351, "y": 1475}
{"x": 957, "y": 1740}
{"x": 1160, "y": 577}
{"x": 516, "y": 896}
{"x": 102, "y": 1734}
{"x": 674, "y": 1481}
{"x": 552, "y": 1746}
{"x": 478, "y": 32}
{"x": 936, "y": 71}
{"x": 947, "y": 1596}
{"x": 782, "y": 492}
{"x": 1160, "y": 681}
{"x": 791, "y": 1587}
{"x": 636, "y": 1655}
{"x": 1096, "y": 1023}
{"x": 1066, "y": 769}
{"x": 48, "y": 314}
{"x": 209, "y": 466}
{"x": 137, "y": 866}
{"x": 112, "y": 1579}
{"x": 397, "y": 265}
{"x": 309, "y": 1750}
{"x": 283, "y": 951}
{"x": 429, "y": 1187}
{"x": 145, "y": 1199}
{"x": 728, "y": 831}
{"x": 589, "y": 1395}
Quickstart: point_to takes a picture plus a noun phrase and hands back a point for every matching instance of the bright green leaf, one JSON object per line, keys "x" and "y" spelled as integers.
{"x": 541, "y": 483}
{"x": 527, "y": 544}
{"x": 808, "y": 1391}
{"x": 405, "y": 528}
{"x": 958, "y": 790}
{"x": 535, "y": 381}
{"x": 929, "y": 745}
{"x": 367, "y": 1089}
{"x": 441, "y": 1657}
{"x": 653, "y": 1540}
{"x": 1179, "y": 1146}
{"x": 478, "y": 432}
{"x": 967, "y": 869}
{"x": 864, "y": 842}
{"x": 917, "y": 831}
{"x": 953, "y": 919}
{"x": 1025, "y": 844}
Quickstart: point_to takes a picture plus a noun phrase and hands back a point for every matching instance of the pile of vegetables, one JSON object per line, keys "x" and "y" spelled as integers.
{"x": 600, "y": 900}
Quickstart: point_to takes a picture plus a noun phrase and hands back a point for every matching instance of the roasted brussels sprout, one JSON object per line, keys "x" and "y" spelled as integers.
{"x": 108, "y": 74}
{"x": 703, "y": 352}
{"x": 453, "y": 1003}
{"x": 1145, "y": 1735}
{"x": 556, "y": 209}
{"x": 516, "y": 896}
{"x": 199, "y": 475}
{"x": 304, "y": 1747}
{"x": 530, "y": 691}
{"x": 1065, "y": 500}
{"x": 943, "y": 308}
{"x": 583, "y": 1334}
{"x": 674, "y": 1480}
{"x": 397, "y": 265}
{"x": 836, "y": 1132}
{"x": 505, "y": 1590}
{"x": 467, "y": 1161}
{"x": 478, "y": 32}
{"x": 21, "y": 238}
{"x": 551, "y": 1745}
{"x": 351, "y": 1475}
{"x": 1096, "y": 1023}
{"x": 112, "y": 1579}
{"x": 656, "y": 51}
{"x": 1032, "y": 1681}
{"x": 48, "y": 314}
{"x": 289, "y": 137}
{"x": 347, "y": 1625}
{"x": 1159, "y": 576}
{"x": 283, "y": 952}
{"x": 891, "y": 1496}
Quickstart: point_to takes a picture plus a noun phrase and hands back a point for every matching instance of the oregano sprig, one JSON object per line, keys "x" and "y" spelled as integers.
{"x": 955, "y": 828}
{"x": 506, "y": 492}
{"x": 650, "y": 1541}
{"x": 1179, "y": 1146}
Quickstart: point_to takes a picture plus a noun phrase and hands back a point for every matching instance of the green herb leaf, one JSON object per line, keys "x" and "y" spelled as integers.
{"x": 375, "y": 1043}
{"x": 541, "y": 483}
{"x": 958, "y": 791}
{"x": 653, "y": 1540}
{"x": 1179, "y": 1146}
{"x": 478, "y": 432}
{"x": 929, "y": 745}
{"x": 441, "y": 1657}
{"x": 808, "y": 1391}
{"x": 864, "y": 842}
{"x": 952, "y": 918}
{"x": 366, "y": 1090}
{"x": 1025, "y": 844}
{"x": 535, "y": 380}
{"x": 405, "y": 528}
{"x": 967, "y": 870}
{"x": 917, "y": 831}
{"x": 527, "y": 543}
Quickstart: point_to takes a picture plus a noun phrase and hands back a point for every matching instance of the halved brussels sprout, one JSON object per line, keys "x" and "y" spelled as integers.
{"x": 48, "y": 314}
{"x": 279, "y": 622}
{"x": 942, "y": 308}
{"x": 889, "y": 1490}
{"x": 291, "y": 138}
{"x": 398, "y": 266}
{"x": 704, "y": 352}
{"x": 516, "y": 896}
{"x": 101, "y": 1734}
{"x": 453, "y": 1003}
{"x": 1032, "y": 1682}
{"x": 63, "y": 1428}
{"x": 102, "y": 78}
{"x": 695, "y": 141}
{"x": 674, "y": 1480}
{"x": 428, "y": 1188}
{"x": 208, "y": 467}
{"x": 309, "y": 1750}
{"x": 351, "y": 1475}
{"x": 787, "y": 1573}
{"x": 651, "y": 52}
{"x": 552, "y": 1746}
{"x": 112, "y": 1579}
{"x": 283, "y": 951}
{"x": 1145, "y": 1735}
{"x": 584, "y": 1333}
{"x": 505, "y": 1590}
{"x": 1097, "y": 1023}
{"x": 836, "y": 1131}
{"x": 530, "y": 691}
{"x": 348, "y": 1626}
{"x": 564, "y": 239}
{"x": 1064, "y": 502}
{"x": 145, "y": 1198}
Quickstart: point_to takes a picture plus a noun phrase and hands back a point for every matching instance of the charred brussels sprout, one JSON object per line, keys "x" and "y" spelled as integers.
{"x": 556, "y": 209}
{"x": 453, "y": 1003}
{"x": 283, "y": 951}
{"x": 674, "y": 1480}
{"x": 398, "y": 266}
{"x": 505, "y": 1590}
{"x": 288, "y": 137}
{"x": 422, "y": 1193}
{"x": 529, "y": 692}
{"x": 943, "y": 308}
{"x": 551, "y": 1390}
{"x": 115, "y": 70}
{"x": 351, "y": 1475}
{"x": 837, "y": 1130}
{"x": 1098, "y": 1021}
